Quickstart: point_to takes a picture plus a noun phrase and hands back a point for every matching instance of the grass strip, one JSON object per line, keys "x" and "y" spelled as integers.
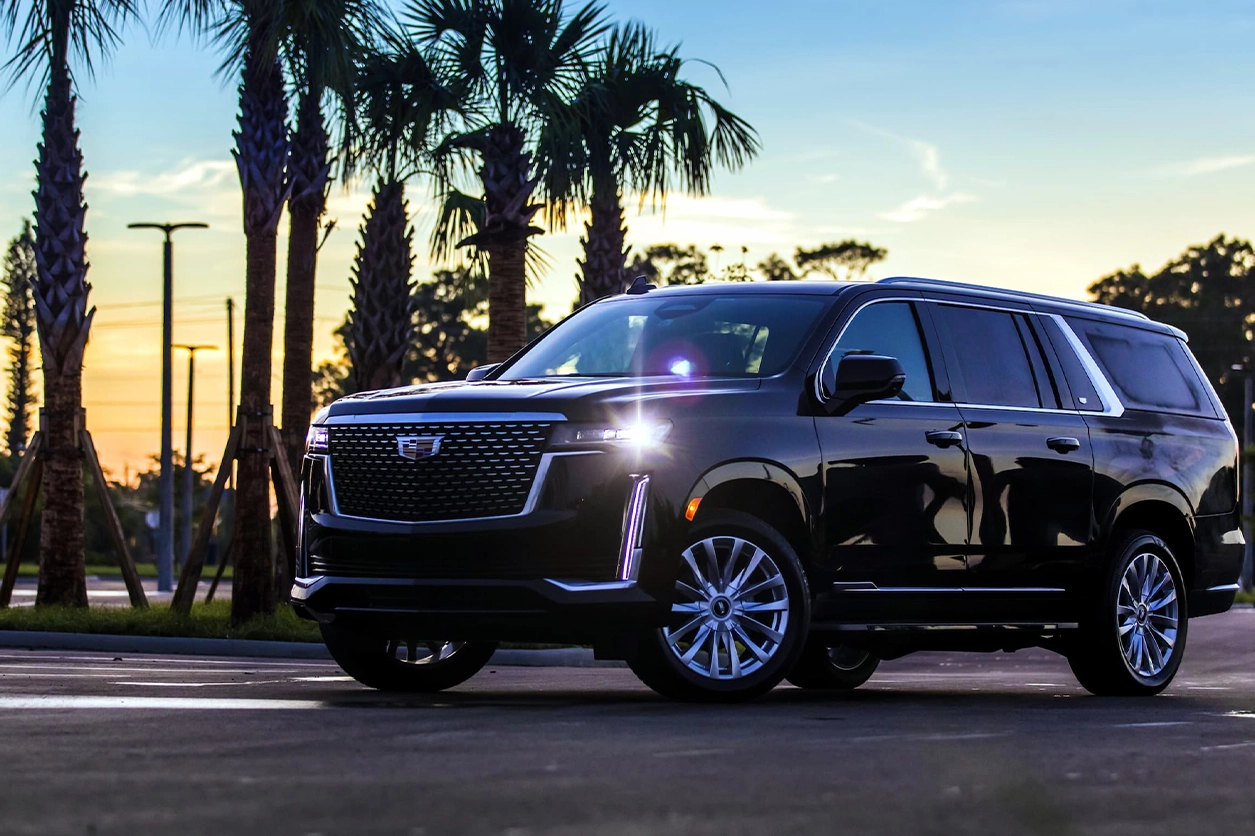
{"x": 106, "y": 570}
{"x": 206, "y": 621}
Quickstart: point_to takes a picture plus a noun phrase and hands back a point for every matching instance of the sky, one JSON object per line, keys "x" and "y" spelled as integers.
{"x": 1033, "y": 144}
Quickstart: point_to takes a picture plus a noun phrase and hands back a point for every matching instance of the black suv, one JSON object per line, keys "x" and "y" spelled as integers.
{"x": 734, "y": 484}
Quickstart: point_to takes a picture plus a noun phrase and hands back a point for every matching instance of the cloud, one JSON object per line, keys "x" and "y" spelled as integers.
{"x": 707, "y": 220}
{"x": 190, "y": 175}
{"x": 918, "y": 207}
{"x": 1204, "y": 165}
{"x": 927, "y": 155}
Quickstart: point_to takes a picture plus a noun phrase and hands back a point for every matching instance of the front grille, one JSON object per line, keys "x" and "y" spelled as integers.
{"x": 481, "y": 470}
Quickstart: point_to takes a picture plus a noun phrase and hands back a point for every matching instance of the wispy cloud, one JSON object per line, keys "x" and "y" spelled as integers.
{"x": 189, "y": 176}
{"x": 707, "y": 220}
{"x": 1204, "y": 165}
{"x": 926, "y": 154}
{"x": 919, "y": 207}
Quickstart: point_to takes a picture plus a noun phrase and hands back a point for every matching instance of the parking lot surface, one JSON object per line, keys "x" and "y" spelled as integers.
{"x": 935, "y": 743}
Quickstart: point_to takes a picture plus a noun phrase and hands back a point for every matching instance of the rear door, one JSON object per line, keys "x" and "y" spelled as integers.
{"x": 1031, "y": 461}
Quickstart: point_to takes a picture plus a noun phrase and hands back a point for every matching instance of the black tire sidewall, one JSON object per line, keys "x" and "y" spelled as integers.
{"x": 658, "y": 666}
{"x": 364, "y": 657}
{"x": 816, "y": 670}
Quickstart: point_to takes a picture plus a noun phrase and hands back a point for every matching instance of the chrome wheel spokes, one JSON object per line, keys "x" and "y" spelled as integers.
{"x": 1147, "y": 614}
{"x": 732, "y": 608}
{"x": 415, "y": 652}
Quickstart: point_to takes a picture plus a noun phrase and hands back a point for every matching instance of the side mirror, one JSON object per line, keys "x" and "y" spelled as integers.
{"x": 480, "y": 372}
{"x": 860, "y": 378}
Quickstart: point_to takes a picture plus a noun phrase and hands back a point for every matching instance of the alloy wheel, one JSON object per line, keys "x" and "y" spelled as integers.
{"x": 733, "y": 609}
{"x": 1147, "y": 615}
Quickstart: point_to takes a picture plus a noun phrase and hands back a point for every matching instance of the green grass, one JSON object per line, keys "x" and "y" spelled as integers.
{"x": 206, "y": 621}
{"x": 104, "y": 570}
{"x": 1245, "y": 598}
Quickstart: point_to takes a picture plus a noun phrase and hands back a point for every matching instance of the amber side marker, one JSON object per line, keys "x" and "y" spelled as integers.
{"x": 691, "y": 511}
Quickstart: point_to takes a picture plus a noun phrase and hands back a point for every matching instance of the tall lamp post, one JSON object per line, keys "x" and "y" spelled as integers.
{"x": 165, "y": 529}
{"x": 1248, "y": 501}
{"x": 189, "y": 476}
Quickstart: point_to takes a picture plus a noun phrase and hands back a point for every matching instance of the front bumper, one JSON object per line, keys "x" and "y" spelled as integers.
{"x": 542, "y": 610}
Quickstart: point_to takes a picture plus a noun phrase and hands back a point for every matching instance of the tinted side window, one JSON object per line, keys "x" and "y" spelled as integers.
{"x": 1148, "y": 370}
{"x": 992, "y": 359}
{"x": 1084, "y": 394}
{"x": 890, "y": 328}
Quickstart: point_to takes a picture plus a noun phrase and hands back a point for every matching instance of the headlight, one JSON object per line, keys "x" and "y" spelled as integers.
{"x": 629, "y": 435}
{"x": 316, "y": 440}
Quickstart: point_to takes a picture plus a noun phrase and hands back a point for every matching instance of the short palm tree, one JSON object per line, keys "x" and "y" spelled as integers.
{"x": 251, "y": 33}
{"x": 638, "y": 125}
{"x": 401, "y": 97}
{"x": 325, "y": 39}
{"x": 50, "y": 34}
{"x": 521, "y": 62}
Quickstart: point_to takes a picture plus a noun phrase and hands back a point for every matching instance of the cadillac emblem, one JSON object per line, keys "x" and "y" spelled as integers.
{"x": 417, "y": 447}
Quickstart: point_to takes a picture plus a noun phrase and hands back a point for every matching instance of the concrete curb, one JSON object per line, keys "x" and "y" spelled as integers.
{"x": 562, "y": 657}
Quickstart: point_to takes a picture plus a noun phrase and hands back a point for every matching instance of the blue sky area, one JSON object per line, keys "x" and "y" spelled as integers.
{"x": 1030, "y": 144}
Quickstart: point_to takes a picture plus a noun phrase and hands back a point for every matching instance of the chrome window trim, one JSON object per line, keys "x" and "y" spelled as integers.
{"x": 533, "y": 497}
{"x": 1113, "y": 407}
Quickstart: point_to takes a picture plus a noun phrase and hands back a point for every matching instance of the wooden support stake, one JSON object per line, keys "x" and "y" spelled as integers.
{"x": 227, "y": 554}
{"x": 23, "y": 525}
{"x": 185, "y": 594}
{"x": 286, "y": 494}
{"x": 134, "y": 588}
{"x": 19, "y": 478}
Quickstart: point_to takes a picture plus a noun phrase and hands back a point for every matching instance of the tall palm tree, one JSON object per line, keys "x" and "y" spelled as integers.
{"x": 639, "y": 125}
{"x": 401, "y": 98}
{"x": 251, "y": 32}
{"x": 50, "y": 34}
{"x": 325, "y": 38}
{"x": 522, "y": 61}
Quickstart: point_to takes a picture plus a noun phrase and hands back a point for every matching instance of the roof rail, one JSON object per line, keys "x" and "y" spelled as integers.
{"x": 1017, "y": 293}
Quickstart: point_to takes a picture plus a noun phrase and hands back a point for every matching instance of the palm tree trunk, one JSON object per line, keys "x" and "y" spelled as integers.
{"x": 308, "y": 173}
{"x": 381, "y": 319}
{"x": 603, "y": 268}
{"x": 260, "y": 155}
{"x": 64, "y": 323}
{"x": 508, "y": 185}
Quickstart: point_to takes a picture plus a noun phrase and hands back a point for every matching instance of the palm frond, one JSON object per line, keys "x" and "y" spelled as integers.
{"x": 461, "y": 216}
{"x": 61, "y": 32}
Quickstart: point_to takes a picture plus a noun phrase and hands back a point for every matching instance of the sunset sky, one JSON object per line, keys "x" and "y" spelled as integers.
{"x": 1035, "y": 144}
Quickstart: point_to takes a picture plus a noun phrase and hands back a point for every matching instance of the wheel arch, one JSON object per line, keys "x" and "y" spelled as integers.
{"x": 762, "y": 489}
{"x": 1162, "y": 510}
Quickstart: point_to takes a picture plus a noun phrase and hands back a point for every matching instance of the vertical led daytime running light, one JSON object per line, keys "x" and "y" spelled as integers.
{"x": 633, "y": 529}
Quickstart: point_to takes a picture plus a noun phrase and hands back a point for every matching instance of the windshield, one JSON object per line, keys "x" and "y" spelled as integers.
{"x": 737, "y": 335}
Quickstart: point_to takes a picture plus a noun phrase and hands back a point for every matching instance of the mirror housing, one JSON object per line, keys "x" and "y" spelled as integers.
{"x": 481, "y": 372}
{"x": 860, "y": 378}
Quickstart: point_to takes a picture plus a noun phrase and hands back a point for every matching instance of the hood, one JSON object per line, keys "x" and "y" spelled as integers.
{"x": 578, "y": 399}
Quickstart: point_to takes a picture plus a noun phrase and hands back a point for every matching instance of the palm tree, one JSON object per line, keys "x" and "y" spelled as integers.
{"x": 251, "y": 32}
{"x": 20, "y": 275}
{"x": 642, "y": 126}
{"x": 521, "y": 61}
{"x": 325, "y": 39}
{"x": 401, "y": 98}
{"x": 51, "y": 33}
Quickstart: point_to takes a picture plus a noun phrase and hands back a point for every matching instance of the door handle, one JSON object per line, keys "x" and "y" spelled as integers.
{"x": 1063, "y": 444}
{"x": 943, "y": 438}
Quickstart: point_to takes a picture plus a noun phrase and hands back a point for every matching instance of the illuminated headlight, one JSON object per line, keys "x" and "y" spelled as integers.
{"x": 638, "y": 435}
{"x": 316, "y": 440}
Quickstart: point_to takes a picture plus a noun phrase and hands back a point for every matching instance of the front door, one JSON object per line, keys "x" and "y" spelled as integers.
{"x": 895, "y": 475}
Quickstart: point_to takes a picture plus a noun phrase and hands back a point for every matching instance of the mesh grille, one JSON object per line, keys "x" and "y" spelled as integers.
{"x": 481, "y": 470}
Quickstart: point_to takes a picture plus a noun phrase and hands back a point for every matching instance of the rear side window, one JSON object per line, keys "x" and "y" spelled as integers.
{"x": 1148, "y": 370}
{"x": 991, "y": 356}
{"x": 1084, "y": 394}
{"x": 890, "y": 328}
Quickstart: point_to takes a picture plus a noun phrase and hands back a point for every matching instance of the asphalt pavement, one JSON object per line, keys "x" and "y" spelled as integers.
{"x": 934, "y": 744}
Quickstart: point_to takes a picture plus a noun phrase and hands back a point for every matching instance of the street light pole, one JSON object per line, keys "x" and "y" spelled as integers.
{"x": 165, "y": 530}
{"x": 189, "y": 476}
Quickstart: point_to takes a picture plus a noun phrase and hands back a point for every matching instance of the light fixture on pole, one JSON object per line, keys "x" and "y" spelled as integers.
{"x": 165, "y": 532}
{"x": 189, "y": 475}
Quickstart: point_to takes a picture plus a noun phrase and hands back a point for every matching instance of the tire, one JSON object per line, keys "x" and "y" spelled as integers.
{"x": 1133, "y": 629}
{"x": 752, "y": 604}
{"x": 824, "y": 667}
{"x": 375, "y": 660}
